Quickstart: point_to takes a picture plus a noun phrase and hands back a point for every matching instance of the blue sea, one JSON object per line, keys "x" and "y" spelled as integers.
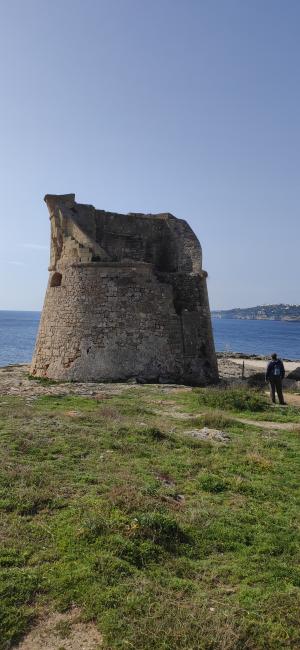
{"x": 18, "y": 331}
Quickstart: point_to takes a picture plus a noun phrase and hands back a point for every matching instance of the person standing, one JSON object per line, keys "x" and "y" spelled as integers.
{"x": 274, "y": 375}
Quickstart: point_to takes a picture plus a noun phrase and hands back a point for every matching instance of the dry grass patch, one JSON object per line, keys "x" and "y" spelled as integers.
{"x": 257, "y": 459}
{"x": 62, "y": 632}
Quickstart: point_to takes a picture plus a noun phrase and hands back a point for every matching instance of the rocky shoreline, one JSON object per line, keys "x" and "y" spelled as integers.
{"x": 246, "y": 357}
{"x": 238, "y": 368}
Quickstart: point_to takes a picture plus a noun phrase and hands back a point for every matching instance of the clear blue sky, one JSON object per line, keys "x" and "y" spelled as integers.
{"x": 186, "y": 106}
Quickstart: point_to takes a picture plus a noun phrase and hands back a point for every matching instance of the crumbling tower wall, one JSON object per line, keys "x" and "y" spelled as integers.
{"x": 126, "y": 298}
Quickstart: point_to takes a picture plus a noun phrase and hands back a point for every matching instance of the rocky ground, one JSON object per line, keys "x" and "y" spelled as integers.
{"x": 234, "y": 369}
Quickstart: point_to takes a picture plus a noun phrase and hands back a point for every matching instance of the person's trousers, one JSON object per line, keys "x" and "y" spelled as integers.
{"x": 276, "y": 385}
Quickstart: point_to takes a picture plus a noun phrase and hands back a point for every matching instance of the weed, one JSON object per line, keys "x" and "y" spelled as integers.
{"x": 44, "y": 381}
{"x": 257, "y": 459}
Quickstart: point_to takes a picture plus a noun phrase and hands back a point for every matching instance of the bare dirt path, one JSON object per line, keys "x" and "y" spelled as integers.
{"x": 292, "y": 399}
{"x": 263, "y": 424}
{"x": 266, "y": 424}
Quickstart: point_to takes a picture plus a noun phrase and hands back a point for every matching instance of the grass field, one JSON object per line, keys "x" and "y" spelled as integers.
{"x": 165, "y": 541}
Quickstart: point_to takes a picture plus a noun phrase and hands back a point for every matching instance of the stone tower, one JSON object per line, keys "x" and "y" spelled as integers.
{"x": 126, "y": 298}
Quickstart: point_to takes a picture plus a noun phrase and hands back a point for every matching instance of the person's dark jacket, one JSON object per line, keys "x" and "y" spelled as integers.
{"x": 272, "y": 365}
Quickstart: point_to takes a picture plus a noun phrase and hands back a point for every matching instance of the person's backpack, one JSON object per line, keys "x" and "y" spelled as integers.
{"x": 277, "y": 369}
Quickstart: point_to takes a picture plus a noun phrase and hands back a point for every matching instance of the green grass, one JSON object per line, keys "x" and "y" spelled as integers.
{"x": 165, "y": 541}
{"x": 242, "y": 402}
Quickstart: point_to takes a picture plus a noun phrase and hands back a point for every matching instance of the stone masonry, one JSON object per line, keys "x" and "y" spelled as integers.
{"x": 126, "y": 298}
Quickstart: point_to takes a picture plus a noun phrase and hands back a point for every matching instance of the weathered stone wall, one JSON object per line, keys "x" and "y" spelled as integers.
{"x": 126, "y": 298}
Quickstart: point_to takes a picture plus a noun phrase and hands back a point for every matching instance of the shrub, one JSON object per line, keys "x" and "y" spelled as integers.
{"x": 212, "y": 483}
{"x": 257, "y": 380}
{"x": 137, "y": 552}
{"x": 233, "y": 399}
{"x": 154, "y": 434}
{"x": 161, "y": 529}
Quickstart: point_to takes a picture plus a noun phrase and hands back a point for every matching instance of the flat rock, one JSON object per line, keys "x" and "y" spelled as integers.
{"x": 294, "y": 374}
{"x": 213, "y": 435}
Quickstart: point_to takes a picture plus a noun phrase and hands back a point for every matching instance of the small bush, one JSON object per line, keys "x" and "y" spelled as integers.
{"x": 111, "y": 568}
{"x": 215, "y": 484}
{"x": 161, "y": 529}
{"x": 257, "y": 380}
{"x": 233, "y": 399}
{"x": 155, "y": 434}
{"x": 137, "y": 552}
{"x": 216, "y": 420}
{"x": 94, "y": 527}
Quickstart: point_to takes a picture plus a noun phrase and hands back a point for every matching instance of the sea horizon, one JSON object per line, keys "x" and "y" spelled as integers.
{"x": 18, "y": 330}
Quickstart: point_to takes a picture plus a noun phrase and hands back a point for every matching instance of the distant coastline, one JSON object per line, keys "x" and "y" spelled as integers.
{"x": 281, "y": 312}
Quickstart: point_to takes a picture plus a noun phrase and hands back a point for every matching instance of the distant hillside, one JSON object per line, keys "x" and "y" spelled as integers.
{"x": 262, "y": 312}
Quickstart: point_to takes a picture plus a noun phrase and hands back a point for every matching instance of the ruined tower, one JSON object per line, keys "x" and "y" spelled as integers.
{"x": 126, "y": 298}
